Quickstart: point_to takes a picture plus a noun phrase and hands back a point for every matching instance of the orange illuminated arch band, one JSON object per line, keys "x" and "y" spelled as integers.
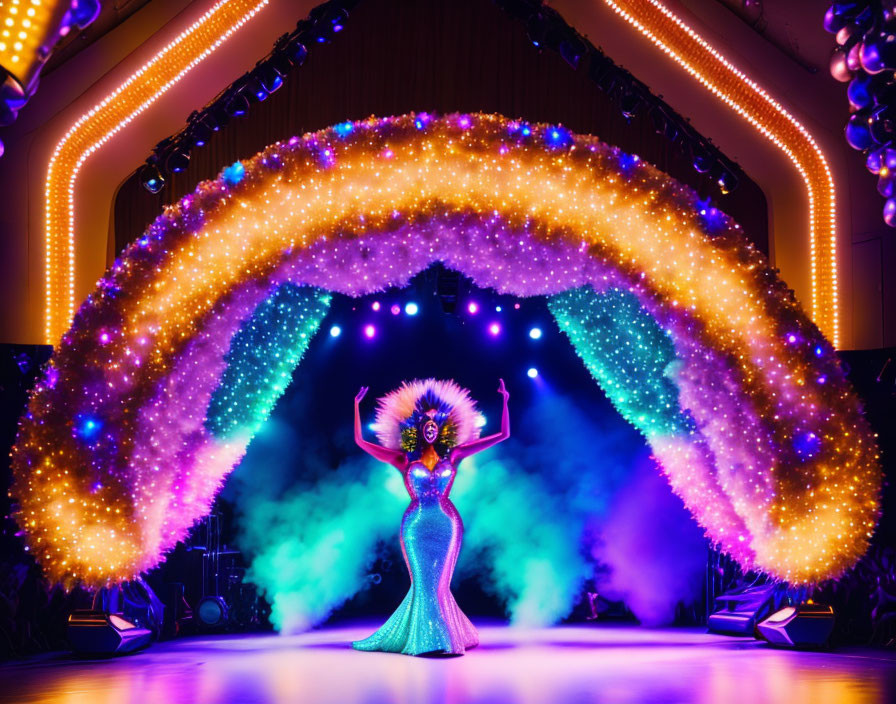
{"x": 118, "y": 453}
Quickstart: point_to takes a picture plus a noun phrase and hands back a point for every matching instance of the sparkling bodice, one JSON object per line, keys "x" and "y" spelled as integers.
{"x": 423, "y": 484}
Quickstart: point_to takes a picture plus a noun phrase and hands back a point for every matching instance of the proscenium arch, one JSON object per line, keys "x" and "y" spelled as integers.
{"x": 116, "y": 457}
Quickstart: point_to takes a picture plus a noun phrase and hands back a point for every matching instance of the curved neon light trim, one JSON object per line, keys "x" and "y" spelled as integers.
{"x": 724, "y": 80}
{"x": 116, "y": 456}
{"x": 108, "y": 117}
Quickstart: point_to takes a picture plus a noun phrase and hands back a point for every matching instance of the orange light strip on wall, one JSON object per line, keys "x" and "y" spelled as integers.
{"x": 737, "y": 91}
{"x": 95, "y": 127}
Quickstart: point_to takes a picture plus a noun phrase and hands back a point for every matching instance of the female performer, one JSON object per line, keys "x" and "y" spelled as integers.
{"x": 425, "y": 429}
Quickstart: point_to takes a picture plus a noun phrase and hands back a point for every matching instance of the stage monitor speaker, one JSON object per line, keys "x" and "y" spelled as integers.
{"x": 803, "y": 626}
{"x": 101, "y": 633}
{"x": 212, "y": 611}
{"x": 737, "y": 612}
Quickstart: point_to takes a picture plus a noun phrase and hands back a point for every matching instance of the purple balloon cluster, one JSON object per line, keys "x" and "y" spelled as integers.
{"x": 865, "y": 57}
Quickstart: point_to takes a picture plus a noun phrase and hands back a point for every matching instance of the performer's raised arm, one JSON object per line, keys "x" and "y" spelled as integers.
{"x": 471, "y": 448}
{"x": 384, "y": 454}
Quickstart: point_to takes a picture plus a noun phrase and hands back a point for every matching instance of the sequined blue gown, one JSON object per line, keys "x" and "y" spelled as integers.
{"x": 429, "y": 619}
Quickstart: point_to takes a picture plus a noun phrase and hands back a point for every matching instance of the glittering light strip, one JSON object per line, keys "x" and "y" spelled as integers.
{"x": 687, "y": 48}
{"x": 116, "y": 459}
{"x": 99, "y": 124}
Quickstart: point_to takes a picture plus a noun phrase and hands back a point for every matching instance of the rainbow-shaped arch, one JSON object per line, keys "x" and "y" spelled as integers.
{"x": 130, "y": 434}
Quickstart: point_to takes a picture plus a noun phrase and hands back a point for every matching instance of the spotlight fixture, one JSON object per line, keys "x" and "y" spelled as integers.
{"x": 268, "y": 76}
{"x": 198, "y": 132}
{"x": 335, "y": 331}
{"x": 473, "y": 307}
{"x": 369, "y": 332}
{"x": 178, "y": 160}
{"x": 532, "y": 373}
{"x": 296, "y": 51}
{"x": 805, "y": 626}
{"x": 411, "y": 309}
{"x": 535, "y": 333}
{"x": 236, "y": 104}
{"x": 701, "y": 160}
{"x": 447, "y": 289}
{"x": 629, "y": 104}
{"x": 726, "y": 180}
{"x": 255, "y": 89}
{"x": 101, "y": 633}
{"x": 151, "y": 178}
{"x": 494, "y": 329}
{"x": 572, "y": 48}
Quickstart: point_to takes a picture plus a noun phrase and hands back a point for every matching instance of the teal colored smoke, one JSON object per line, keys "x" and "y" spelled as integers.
{"x": 262, "y": 356}
{"x": 312, "y": 543}
{"x": 571, "y": 501}
{"x": 518, "y": 543}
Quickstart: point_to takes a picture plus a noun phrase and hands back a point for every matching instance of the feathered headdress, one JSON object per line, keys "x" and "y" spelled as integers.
{"x": 400, "y": 413}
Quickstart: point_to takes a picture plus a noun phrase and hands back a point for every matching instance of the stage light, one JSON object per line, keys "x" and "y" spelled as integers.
{"x": 629, "y": 104}
{"x": 701, "y": 159}
{"x": 738, "y": 611}
{"x": 297, "y": 51}
{"x": 268, "y": 76}
{"x": 480, "y": 420}
{"x": 497, "y": 309}
{"x": 447, "y": 286}
{"x": 532, "y": 373}
{"x": 199, "y": 133}
{"x": 369, "y": 332}
{"x": 494, "y": 329}
{"x": 151, "y": 178}
{"x": 805, "y": 626}
{"x": 177, "y": 160}
{"x": 411, "y": 309}
{"x": 727, "y": 181}
{"x": 255, "y": 88}
{"x": 535, "y": 333}
{"x": 101, "y": 633}
{"x": 516, "y": 306}
{"x": 335, "y": 331}
{"x": 395, "y": 309}
{"x": 375, "y": 305}
{"x": 237, "y": 104}
{"x": 473, "y": 307}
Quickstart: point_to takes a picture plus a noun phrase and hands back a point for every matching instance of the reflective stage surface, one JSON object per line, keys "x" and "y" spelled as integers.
{"x": 555, "y": 665}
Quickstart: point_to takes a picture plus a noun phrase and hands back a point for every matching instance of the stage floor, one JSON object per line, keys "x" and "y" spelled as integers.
{"x": 555, "y": 665}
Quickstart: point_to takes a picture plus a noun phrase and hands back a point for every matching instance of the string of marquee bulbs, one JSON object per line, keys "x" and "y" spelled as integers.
{"x": 116, "y": 457}
{"x": 98, "y": 125}
{"x": 684, "y": 45}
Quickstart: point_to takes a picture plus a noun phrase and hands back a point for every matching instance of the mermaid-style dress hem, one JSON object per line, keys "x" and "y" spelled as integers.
{"x": 428, "y": 621}
{"x": 405, "y": 632}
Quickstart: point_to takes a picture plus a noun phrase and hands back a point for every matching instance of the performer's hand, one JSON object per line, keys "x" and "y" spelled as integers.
{"x": 502, "y": 390}
{"x": 361, "y": 393}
